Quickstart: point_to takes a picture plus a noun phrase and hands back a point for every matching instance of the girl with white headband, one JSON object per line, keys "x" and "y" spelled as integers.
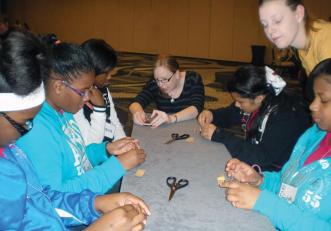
{"x": 271, "y": 119}
{"x": 24, "y": 202}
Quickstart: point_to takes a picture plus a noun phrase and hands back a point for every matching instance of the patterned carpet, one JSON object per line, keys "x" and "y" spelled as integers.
{"x": 134, "y": 70}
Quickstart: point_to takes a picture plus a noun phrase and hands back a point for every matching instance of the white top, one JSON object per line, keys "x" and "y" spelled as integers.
{"x": 98, "y": 128}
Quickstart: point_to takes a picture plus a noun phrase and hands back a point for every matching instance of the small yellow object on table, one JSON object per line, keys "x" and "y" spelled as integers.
{"x": 190, "y": 140}
{"x": 140, "y": 172}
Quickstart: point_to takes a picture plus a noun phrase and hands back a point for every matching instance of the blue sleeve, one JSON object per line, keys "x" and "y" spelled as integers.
{"x": 12, "y": 195}
{"x": 74, "y": 208}
{"x": 99, "y": 179}
{"x": 97, "y": 153}
{"x": 271, "y": 181}
{"x": 53, "y": 166}
{"x": 287, "y": 216}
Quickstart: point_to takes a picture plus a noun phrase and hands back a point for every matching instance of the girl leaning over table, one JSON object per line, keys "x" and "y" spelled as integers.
{"x": 271, "y": 118}
{"x": 179, "y": 95}
{"x": 299, "y": 196}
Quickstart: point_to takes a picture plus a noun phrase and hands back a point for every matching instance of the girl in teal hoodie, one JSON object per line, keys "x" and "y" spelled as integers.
{"x": 55, "y": 145}
{"x": 299, "y": 196}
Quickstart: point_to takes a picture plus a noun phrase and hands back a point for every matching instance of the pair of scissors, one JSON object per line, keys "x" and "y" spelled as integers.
{"x": 174, "y": 185}
{"x": 176, "y": 136}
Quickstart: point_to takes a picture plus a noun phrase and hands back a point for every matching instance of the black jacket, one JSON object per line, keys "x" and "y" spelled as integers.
{"x": 270, "y": 147}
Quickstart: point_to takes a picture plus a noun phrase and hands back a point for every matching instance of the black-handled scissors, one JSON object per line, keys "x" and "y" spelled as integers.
{"x": 174, "y": 185}
{"x": 176, "y": 136}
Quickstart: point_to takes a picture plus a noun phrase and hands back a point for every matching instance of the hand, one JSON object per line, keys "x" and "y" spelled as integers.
{"x": 106, "y": 203}
{"x": 96, "y": 97}
{"x": 242, "y": 172}
{"x": 139, "y": 117}
{"x": 132, "y": 158}
{"x": 122, "y": 145}
{"x": 205, "y": 117}
{"x": 241, "y": 195}
{"x": 124, "y": 218}
{"x": 207, "y": 131}
{"x": 159, "y": 117}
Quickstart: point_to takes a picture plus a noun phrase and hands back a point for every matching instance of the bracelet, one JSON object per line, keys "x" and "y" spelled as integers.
{"x": 257, "y": 168}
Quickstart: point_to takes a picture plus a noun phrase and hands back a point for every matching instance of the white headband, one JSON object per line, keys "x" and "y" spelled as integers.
{"x": 274, "y": 80}
{"x": 13, "y": 102}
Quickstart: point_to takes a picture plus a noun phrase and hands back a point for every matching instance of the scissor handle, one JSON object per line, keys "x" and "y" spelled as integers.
{"x": 184, "y": 136}
{"x": 171, "y": 181}
{"x": 181, "y": 183}
{"x": 176, "y": 136}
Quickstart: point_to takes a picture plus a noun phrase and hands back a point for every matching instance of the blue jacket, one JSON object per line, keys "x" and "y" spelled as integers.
{"x": 311, "y": 207}
{"x": 57, "y": 151}
{"x": 26, "y": 205}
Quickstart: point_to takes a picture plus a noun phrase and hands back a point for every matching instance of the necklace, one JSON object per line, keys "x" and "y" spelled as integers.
{"x": 172, "y": 100}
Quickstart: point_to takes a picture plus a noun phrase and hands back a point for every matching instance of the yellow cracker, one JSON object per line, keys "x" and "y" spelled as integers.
{"x": 140, "y": 172}
{"x": 220, "y": 179}
{"x": 190, "y": 140}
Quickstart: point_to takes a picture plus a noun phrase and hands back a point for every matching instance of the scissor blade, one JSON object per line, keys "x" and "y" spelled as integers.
{"x": 172, "y": 192}
{"x": 169, "y": 141}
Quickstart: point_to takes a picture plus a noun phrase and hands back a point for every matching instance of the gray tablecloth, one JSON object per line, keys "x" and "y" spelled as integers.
{"x": 199, "y": 206}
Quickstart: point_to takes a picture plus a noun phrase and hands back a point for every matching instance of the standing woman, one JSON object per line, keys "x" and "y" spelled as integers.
{"x": 178, "y": 95}
{"x": 287, "y": 23}
{"x": 271, "y": 119}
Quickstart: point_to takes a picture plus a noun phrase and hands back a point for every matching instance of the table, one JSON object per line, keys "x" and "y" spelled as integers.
{"x": 199, "y": 206}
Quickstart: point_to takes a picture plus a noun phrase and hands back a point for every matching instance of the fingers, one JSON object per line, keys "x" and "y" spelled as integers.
{"x": 96, "y": 97}
{"x": 201, "y": 119}
{"x": 132, "y": 158}
{"x": 132, "y": 199}
{"x": 205, "y": 117}
{"x": 229, "y": 184}
{"x": 140, "y": 155}
{"x": 138, "y": 222}
{"x": 207, "y": 131}
{"x": 136, "y": 219}
{"x": 139, "y": 117}
{"x": 231, "y": 164}
{"x": 160, "y": 117}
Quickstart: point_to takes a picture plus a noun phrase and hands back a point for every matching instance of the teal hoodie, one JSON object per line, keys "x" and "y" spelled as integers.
{"x": 311, "y": 207}
{"x": 61, "y": 159}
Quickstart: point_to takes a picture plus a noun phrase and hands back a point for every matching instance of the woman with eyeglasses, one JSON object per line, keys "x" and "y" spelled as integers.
{"x": 69, "y": 164}
{"x": 178, "y": 95}
{"x": 26, "y": 204}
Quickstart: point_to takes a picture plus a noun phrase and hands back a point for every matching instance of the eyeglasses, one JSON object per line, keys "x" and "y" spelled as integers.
{"x": 22, "y": 129}
{"x": 84, "y": 94}
{"x": 159, "y": 81}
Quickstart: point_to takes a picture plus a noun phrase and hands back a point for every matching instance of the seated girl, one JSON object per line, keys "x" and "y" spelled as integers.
{"x": 299, "y": 196}
{"x": 271, "y": 119}
{"x": 55, "y": 145}
{"x": 178, "y": 95}
{"x": 98, "y": 120}
{"x": 24, "y": 202}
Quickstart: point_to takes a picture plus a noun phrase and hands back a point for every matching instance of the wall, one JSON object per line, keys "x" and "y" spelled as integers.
{"x": 217, "y": 29}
